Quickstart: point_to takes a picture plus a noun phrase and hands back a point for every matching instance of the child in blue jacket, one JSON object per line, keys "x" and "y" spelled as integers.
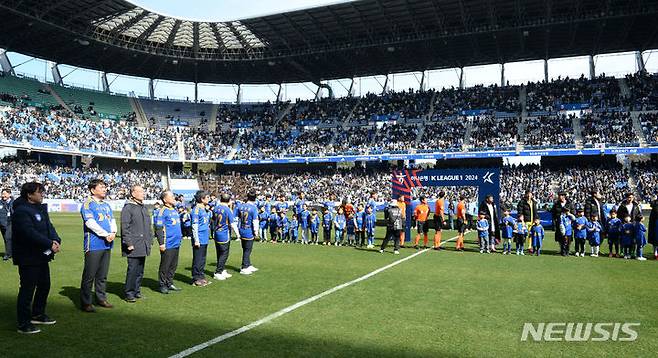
{"x": 263, "y": 219}
{"x": 627, "y": 237}
{"x": 594, "y": 235}
{"x": 580, "y": 233}
{"x": 640, "y": 239}
{"x": 537, "y": 235}
{"x": 293, "y": 230}
{"x": 314, "y": 225}
{"x": 507, "y": 232}
{"x": 614, "y": 230}
{"x": 369, "y": 224}
{"x": 327, "y": 223}
{"x": 339, "y": 225}
{"x": 284, "y": 227}
{"x": 483, "y": 233}
{"x": 520, "y": 234}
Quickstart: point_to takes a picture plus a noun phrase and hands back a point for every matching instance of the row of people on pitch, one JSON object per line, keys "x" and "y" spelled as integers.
{"x": 627, "y": 232}
{"x": 359, "y": 227}
{"x": 579, "y": 229}
{"x": 100, "y": 230}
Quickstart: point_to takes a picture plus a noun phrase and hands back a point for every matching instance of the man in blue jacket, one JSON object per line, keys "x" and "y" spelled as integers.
{"x": 99, "y": 229}
{"x": 248, "y": 230}
{"x": 168, "y": 232}
{"x": 35, "y": 244}
{"x": 200, "y": 218}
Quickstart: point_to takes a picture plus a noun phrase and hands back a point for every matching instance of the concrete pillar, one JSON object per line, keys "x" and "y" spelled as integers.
{"x": 461, "y": 78}
{"x": 57, "y": 76}
{"x": 105, "y": 83}
{"x": 592, "y": 69}
{"x": 640, "y": 61}
{"x": 5, "y": 64}
{"x": 545, "y": 70}
{"x": 151, "y": 89}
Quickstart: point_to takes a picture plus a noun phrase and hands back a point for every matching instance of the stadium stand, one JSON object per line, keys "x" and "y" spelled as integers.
{"x": 94, "y": 104}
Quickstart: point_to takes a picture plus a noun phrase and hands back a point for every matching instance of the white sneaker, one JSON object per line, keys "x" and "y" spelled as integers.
{"x": 252, "y": 269}
{"x": 642, "y": 258}
{"x": 522, "y": 253}
{"x": 396, "y": 252}
{"x": 219, "y": 277}
{"x": 595, "y": 255}
{"x": 381, "y": 251}
{"x": 226, "y": 274}
{"x": 481, "y": 251}
{"x": 577, "y": 254}
{"x": 245, "y": 271}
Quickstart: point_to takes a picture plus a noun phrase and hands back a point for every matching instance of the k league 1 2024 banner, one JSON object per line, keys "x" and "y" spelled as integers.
{"x": 407, "y": 182}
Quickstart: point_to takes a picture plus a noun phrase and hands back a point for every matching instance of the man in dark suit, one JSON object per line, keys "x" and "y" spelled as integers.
{"x": 136, "y": 241}
{"x": 6, "y": 203}
{"x": 490, "y": 210}
{"x": 629, "y": 207}
{"x": 35, "y": 244}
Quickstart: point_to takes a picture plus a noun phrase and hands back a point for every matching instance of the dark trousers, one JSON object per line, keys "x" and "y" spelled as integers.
{"x": 247, "y": 246}
{"x": 326, "y": 234}
{"x": 361, "y": 237}
{"x": 580, "y": 245}
{"x": 6, "y": 236}
{"x": 392, "y": 235}
{"x": 613, "y": 242}
{"x": 222, "y": 255}
{"x": 96, "y": 266}
{"x": 168, "y": 265}
{"x": 33, "y": 292}
{"x": 565, "y": 242}
{"x": 134, "y": 275}
{"x": 199, "y": 262}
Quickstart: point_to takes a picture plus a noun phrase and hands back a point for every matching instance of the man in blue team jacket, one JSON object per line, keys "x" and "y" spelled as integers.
{"x": 99, "y": 231}
{"x": 35, "y": 244}
{"x": 168, "y": 232}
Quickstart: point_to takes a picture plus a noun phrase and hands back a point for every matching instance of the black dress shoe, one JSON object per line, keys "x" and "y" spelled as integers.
{"x": 131, "y": 299}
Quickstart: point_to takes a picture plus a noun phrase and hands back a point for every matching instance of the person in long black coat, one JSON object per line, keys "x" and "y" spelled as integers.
{"x": 594, "y": 206}
{"x": 653, "y": 233}
{"x": 629, "y": 207}
{"x": 136, "y": 241}
{"x": 561, "y": 203}
{"x": 35, "y": 244}
{"x": 527, "y": 207}
{"x": 488, "y": 206}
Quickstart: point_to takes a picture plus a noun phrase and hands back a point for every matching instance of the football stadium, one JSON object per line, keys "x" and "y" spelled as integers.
{"x": 328, "y": 178}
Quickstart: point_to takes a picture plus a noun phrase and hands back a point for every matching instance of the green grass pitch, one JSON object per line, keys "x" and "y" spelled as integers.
{"x": 436, "y": 304}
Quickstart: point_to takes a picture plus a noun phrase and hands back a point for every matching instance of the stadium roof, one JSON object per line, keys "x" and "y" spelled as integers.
{"x": 359, "y": 38}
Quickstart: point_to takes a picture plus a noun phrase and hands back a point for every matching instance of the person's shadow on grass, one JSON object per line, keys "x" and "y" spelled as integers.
{"x": 73, "y": 293}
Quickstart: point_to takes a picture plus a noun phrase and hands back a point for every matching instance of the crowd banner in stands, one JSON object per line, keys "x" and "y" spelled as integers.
{"x": 487, "y": 180}
{"x": 53, "y": 148}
